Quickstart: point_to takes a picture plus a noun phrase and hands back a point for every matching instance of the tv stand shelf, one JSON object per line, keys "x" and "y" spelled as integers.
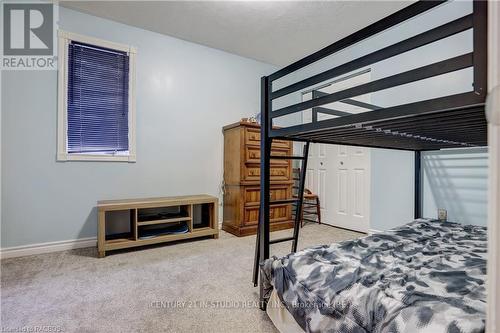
{"x": 171, "y": 220}
{"x": 150, "y": 221}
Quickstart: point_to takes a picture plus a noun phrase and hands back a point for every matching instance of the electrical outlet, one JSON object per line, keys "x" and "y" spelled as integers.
{"x": 442, "y": 214}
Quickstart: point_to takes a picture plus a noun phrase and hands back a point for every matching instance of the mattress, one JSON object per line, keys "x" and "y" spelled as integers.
{"x": 279, "y": 315}
{"x": 426, "y": 276}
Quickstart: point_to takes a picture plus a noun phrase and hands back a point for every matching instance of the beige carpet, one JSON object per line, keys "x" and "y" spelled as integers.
{"x": 193, "y": 286}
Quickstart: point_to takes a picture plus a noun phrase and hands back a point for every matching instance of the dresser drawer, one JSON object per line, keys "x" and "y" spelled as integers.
{"x": 277, "y": 213}
{"x": 252, "y": 155}
{"x": 278, "y": 172}
{"x": 252, "y": 137}
{"x": 251, "y": 194}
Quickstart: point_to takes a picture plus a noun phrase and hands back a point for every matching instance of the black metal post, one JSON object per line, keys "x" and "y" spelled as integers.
{"x": 480, "y": 40}
{"x": 256, "y": 258}
{"x": 265, "y": 169}
{"x": 418, "y": 185}
{"x": 300, "y": 195}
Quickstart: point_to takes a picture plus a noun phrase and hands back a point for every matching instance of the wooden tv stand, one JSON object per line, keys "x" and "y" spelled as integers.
{"x": 198, "y": 212}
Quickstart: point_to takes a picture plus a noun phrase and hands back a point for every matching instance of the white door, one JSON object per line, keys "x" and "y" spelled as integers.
{"x": 340, "y": 174}
{"x": 351, "y": 192}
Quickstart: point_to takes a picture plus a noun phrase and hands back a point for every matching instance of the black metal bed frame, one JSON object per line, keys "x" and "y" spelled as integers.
{"x": 446, "y": 122}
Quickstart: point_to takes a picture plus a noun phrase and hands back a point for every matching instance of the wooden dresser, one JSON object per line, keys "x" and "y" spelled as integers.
{"x": 242, "y": 180}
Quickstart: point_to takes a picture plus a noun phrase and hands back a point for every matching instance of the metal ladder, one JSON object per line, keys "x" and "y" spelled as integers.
{"x": 298, "y": 208}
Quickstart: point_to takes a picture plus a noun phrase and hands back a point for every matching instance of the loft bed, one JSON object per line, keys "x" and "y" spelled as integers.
{"x": 455, "y": 120}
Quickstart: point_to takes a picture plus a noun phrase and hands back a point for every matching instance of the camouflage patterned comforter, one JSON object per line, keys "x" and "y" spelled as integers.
{"x": 425, "y": 276}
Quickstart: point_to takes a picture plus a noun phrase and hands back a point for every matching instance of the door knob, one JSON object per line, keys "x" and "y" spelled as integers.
{"x": 341, "y": 163}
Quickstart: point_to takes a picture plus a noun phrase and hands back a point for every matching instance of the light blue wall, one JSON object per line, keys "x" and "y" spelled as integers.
{"x": 456, "y": 180}
{"x": 392, "y": 175}
{"x": 185, "y": 94}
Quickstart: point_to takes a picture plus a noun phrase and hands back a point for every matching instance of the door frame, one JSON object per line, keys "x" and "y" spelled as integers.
{"x": 493, "y": 285}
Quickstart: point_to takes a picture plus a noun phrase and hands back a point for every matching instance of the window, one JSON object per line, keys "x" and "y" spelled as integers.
{"x": 96, "y": 119}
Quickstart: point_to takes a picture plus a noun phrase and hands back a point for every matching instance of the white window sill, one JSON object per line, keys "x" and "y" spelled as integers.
{"x": 95, "y": 157}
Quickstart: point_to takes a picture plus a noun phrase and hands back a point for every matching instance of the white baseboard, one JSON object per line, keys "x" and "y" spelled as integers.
{"x": 373, "y": 231}
{"x": 28, "y": 250}
{"x": 32, "y": 249}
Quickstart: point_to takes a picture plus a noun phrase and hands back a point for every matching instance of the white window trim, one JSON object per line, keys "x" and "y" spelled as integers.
{"x": 62, "y": 125}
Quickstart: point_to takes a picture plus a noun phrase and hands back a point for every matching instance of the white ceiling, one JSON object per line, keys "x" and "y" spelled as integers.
{"x": 275, "y": 32}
